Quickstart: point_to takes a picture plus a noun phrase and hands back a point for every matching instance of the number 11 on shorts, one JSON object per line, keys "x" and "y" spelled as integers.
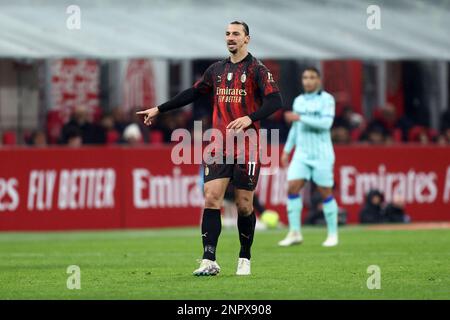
{"x": 251, "y": 168}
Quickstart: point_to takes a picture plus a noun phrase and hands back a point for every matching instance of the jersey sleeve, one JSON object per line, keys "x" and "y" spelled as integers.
{"x": 323, "y": 120}
{"x": 265, "y": 82}
{"x": 291, "y": 139}
{"x": 206, "y": 82}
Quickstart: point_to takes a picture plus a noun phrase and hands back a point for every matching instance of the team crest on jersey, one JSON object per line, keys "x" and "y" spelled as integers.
{"x": 229, "y": 76}
{"x": 206, "y": 170}
{"x": 243, "y": 77}
{"x": 269, "y": 77}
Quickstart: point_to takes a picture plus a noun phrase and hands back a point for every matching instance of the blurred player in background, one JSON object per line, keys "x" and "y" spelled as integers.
{"x": 243, "y": 92}
{"x": 312, "y": 118}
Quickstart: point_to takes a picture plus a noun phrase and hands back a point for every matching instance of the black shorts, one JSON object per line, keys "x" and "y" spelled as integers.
{"x": 243, "y": 176}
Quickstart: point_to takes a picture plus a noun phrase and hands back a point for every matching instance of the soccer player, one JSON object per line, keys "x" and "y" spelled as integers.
{"x": 312, "y": 117}
{"x": 243, "y": 92}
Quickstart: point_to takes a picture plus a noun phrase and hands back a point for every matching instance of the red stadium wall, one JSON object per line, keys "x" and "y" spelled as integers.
{"x": 119, "y": 187}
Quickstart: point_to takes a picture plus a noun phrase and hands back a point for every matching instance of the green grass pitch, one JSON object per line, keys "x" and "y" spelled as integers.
{"x": 158, "y": 264}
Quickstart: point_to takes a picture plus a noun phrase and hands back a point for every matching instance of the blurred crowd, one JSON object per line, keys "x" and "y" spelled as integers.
{"x": 386, "y": 127}
{"x": 84, "y": 127}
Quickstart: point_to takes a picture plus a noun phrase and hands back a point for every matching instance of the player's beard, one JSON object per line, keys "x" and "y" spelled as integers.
{"x": 233, "y": 51}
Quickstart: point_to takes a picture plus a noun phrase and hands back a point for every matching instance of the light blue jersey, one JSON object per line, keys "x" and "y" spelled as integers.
{"x": 314, "y": 154}
{"x": 311, "y": 135}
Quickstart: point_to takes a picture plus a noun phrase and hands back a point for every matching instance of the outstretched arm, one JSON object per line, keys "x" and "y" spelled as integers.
{"x": 202, "y": 86}
{"x": 180, "y": 100}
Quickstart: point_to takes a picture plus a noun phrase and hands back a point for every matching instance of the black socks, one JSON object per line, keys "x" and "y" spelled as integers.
{"x": 211, "y": 227}
{"x": 246, "y": 228}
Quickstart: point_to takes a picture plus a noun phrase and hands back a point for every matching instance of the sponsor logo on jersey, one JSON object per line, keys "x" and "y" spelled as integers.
{"x": 230, "y": 94}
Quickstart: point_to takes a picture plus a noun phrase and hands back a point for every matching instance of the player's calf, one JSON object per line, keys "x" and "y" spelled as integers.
{"x": 246, "y": 227}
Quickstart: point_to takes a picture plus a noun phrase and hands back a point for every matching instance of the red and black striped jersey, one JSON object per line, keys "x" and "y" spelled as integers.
{"x": 237, "y": 88}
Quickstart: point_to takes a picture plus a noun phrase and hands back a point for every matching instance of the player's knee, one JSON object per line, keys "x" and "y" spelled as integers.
{"x": 294, "y": 188}
{"x": 325, "y": 192}
{"x": 245, "y": 211}
{"x": 244, "y": 208}
{"x": 213, "y": 199}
